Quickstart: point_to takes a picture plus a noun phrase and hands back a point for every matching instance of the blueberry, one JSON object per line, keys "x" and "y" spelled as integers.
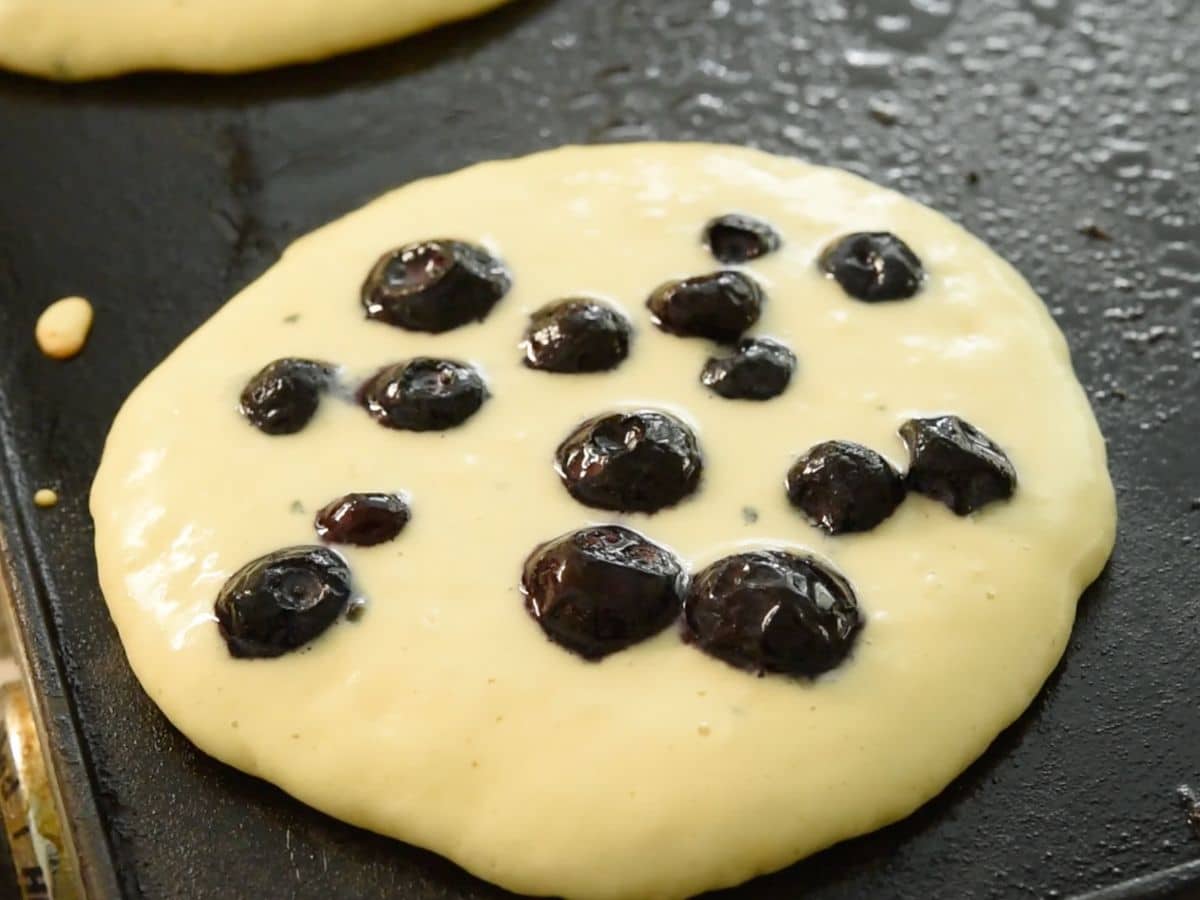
{"x": 601, "y": 589}
{"x": 282, "y": 601}
{"x": 956, "y": 464}
{"x": 424, "y": 394}
{"x": 772, "y": 611}
{"x": 758, "y": 369}
{"x": 576, "y": 335}
{"x": 735, "y": 239}
{"x": 362, "y": 519}
{"x": 434, "y": 286}
{"x": 873, "y": 266}
{"x": 631, "y": 462}
{"x": 284, "y": 395}
{"x": 843, "y": 487}
{"x": 719, "y": 306}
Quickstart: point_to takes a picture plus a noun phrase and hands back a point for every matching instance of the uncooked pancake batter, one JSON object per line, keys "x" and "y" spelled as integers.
{"x": 63, "y": 327}
{"x": 74, "y": 40}
{"x": 442, "y": 715}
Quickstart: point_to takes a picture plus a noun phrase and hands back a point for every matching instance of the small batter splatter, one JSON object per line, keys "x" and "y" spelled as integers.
{"x": 62, "y": 328}
{"x": 45, "y": 498}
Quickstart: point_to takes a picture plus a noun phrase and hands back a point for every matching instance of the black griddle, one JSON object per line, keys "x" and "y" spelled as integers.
{"x": 1062, "y": 133}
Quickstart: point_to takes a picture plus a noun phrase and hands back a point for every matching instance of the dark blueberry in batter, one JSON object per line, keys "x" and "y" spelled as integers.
{"x": 719, "y": 306}
{"x": 955, "y": 463}
{"x": 772, "y": 611}
{"x": 423, "y": 394}
{"x": 434, "y": 286}
{"x": 873, "y": 266}
{"x": 282, "y": 601}
{"x": 843, "y": 487}
{"x": 283, "y": 397}
{"x": 758, "y": 369}
{"x": 737, "y": 239}
{"x": 362, "y": 519}
{"x": 602, "y": 589}
{"x": 576, "y": 335}
{"x": 642, "y": 461}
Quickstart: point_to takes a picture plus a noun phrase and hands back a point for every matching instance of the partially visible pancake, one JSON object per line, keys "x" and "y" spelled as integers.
{"x": 73, "y": 40}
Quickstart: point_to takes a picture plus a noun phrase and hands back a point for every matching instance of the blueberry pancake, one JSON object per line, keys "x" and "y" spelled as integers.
{"x": 619, "y": 522}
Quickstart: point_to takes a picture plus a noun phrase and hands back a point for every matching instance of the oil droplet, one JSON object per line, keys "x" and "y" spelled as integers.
{"x": 869, "y": 66}
{"x": 1126, "y": 159}
{"x": 1052, "y": 12}
{"x": 905, "y": 24}
{"x": 45, "y": 498}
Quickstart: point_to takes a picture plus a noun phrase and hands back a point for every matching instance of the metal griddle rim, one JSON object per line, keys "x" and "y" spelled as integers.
{"x": 35, "y": 641}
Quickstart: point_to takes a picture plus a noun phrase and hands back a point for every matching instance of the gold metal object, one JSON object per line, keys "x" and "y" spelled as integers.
{"x": 42, "y": 858}
{"x": 38, "y": 836}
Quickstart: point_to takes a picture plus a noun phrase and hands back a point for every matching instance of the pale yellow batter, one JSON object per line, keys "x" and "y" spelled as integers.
{"x": 63, "y": 327}
{"x": 45, "y": 498}
{"x": 443, "y": 716}
{"x": 77, "y": 39}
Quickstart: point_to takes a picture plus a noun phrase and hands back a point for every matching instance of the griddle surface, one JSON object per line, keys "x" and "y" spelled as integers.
{"x": 158, "y": 196}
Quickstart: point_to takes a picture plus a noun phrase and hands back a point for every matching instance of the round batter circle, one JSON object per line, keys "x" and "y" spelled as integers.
{"x": 443, "y": 716}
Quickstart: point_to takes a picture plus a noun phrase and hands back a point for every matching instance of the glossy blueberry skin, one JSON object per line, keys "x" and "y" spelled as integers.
{"x": 953, "y": 462}
{"x": 282, "y": 601}
{"x": 576, "y": 335}
{"x": 602, "y": 589}
{"x": 844, "y": 487}
{"x": 642, "y": 461}
{"x": 873, "y": 266}
{"x": 758, "y": 369}
{"x": 734, "y": 239}
{"x": 773, "y": 611}
{"x": 434, "y": 286}
{"x": 720, "y": 306}
{"x": 362, "y": 519}
{"x": 284, "y": 395}
{"x": 424, "y": 394}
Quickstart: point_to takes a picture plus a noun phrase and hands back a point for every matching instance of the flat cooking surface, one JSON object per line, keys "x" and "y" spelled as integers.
{"x": 159, "y": 196}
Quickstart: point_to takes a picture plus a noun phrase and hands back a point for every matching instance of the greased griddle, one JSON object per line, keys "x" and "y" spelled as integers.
{"x": 1064, "y": 134}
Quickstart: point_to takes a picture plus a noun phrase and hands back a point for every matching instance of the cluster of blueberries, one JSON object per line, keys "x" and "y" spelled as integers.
{"x": 602, "y": 589}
